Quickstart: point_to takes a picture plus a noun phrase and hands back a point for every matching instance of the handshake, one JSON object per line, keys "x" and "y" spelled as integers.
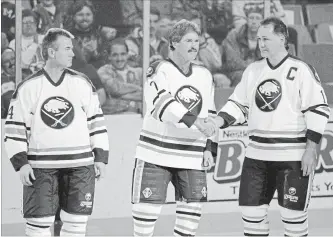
{"x": 209, "y": 126}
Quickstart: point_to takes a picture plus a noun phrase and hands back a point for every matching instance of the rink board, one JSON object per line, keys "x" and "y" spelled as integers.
{"x": 113, "y": 193}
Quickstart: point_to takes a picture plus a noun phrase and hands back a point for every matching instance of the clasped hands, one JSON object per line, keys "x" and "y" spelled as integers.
{"x": 209, "y": 126}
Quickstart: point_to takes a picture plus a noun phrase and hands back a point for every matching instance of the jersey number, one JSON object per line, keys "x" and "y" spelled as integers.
{"x": 153, "y": 83}
{"x": 10, "y": 112}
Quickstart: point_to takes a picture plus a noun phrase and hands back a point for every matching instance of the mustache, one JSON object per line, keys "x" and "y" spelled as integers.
{"x": 193, "y": 50}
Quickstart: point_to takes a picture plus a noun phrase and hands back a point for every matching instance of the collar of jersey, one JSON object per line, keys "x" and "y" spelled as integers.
{"x": 189, "y": 73}
{"x": 277, "y": 65}
{"x": 51, "y": 81}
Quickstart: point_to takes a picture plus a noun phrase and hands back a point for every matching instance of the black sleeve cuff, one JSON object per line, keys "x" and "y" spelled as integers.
{"x": 313, "y": 136}
{"x": 228, "y": 119}
{"x": 212, "y": 147}
{"x": 101, "y": 155}
{"x": 19, "y": 160}
{"x": 188, "y": 119}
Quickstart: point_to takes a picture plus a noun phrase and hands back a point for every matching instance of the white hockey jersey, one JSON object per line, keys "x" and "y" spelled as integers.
{"x": 55, "y": 125}
{"x": 174, "y": 101}
{"x": 285, "y": 105}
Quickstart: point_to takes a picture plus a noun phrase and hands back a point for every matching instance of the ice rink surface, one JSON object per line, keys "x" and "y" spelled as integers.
{"x": 218, "y": 223}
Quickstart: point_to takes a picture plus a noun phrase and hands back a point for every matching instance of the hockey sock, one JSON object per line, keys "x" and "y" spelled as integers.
{"x": 255, "y": 220}
{"x": 187, "y": 218}
{"x": 144, "y": 218}
{"x": 39, "y": 226}
{"x": 295, "y": 222}
{"x": 73, "y": 225}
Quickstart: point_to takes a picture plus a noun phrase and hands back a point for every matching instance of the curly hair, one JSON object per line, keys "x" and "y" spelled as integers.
{"x": 180, "y": 29}
{"x": 75, "y": 8}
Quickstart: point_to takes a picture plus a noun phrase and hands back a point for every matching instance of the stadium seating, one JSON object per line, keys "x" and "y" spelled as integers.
{"x": 324, "y": 33}
{"x": 303, "y": 37}
{"x": 294, "y": 14}
{"x": 320, "y": 56}
{"x": 319, "y": 13}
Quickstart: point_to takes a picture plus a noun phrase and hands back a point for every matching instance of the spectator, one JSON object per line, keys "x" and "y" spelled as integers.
{"x": 158, "y": 44}
{"x": 164, "y": 26}
{"x": 240, "y": 7}
{"x": 240, "y": 49}
{"x": 209, "y": 54}
{"x": 48, "y": 15}
{"x": 4, "y": 41}
{"x": 123, "y": 83}
{"x": 8, "y": 79}
{"x": 80, "y": 65}
{"x": 31, "y": 56}
{"x": 90, "y": 36}
{"x": 219, "y": 21}
{"x": 8, "y": 19}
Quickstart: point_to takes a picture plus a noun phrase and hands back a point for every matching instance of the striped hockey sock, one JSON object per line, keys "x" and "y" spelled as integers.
{"x": 39, "y": 226}
{"x": 144, "y": 217}
{"x": 295, "y": 222}
{"x": 255, "y": 220}
{"x": 73, "y": 225}
{"x": 187, "y": 218}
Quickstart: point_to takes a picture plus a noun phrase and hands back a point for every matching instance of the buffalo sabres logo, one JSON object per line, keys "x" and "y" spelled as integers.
{"x": 190, "y": 97}
{"x": 268, "y": 95}
{"x": 57, "y": 112}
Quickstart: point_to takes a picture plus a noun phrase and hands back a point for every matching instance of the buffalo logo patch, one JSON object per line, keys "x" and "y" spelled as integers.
{"x": 191, "y": 98}
{"x": 57, "y": 112}
{"x": 268, "y": 95}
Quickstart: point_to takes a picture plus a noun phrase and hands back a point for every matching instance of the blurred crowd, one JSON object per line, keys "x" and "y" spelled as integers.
{"x": 108, "y": 42}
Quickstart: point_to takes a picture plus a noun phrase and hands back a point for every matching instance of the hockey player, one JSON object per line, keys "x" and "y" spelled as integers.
{"x": 284, "y": 103}
{"x": 55, "y": 137}
{"x": 173, "y": 145}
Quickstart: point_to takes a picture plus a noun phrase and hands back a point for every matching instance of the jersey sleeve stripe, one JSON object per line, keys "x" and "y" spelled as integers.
{"x": 161, "y": 101}
{"x": 16, "y": 139}
{"x": 164, "y": 108}
{"x": 95, "y": 116}
{"x": 320, "y": 113}
{"x": 101, "y": 155}
{"x": 97, "y": 124}
{"x": 211, "y": 146}
{"x": 15, "y": 123}
{"x": 228, "y": 119}
{"x": 313, "y": 136}
{"x": 158, "y": 95}
{"x": 211, "y": 111}
{"x": 17, "y": 131}
{"x": 188, "y": 119}
{"x": 313, "y": 107}
{"x": 18, "y": 160}
{"x": 98, "y": 132}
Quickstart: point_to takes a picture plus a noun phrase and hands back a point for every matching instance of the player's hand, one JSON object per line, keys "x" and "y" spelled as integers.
{"x": 217, "y": 121}
{"x": 208, "y": 160}
{"x": 207, "y": 128}
{"x": 309, "y": 161}
{"x": 27, "y": 175}
{"x": 99, "y": 170}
